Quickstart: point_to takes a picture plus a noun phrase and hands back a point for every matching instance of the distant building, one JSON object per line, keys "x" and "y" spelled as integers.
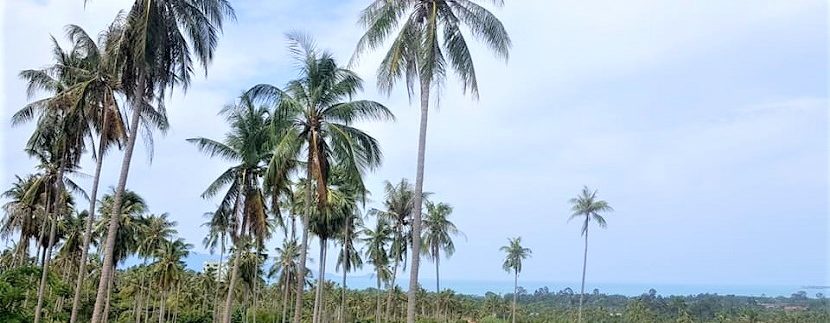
{"x": 220, "y": 271}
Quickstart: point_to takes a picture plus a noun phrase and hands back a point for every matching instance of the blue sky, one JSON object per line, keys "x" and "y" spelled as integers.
{"x": 705, "y": 125}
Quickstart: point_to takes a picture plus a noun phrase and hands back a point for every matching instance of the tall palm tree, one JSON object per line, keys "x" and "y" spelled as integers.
{"x": 156, "y": 53}
{"x": 315, "y": 114}
{"x": 248, "y": 144}
{"x": 515, "y": 253}
{"x": 59, "y": 135}
{"x": 96, "y": 89}
{"x": 438, "y": 233}
{"x": 587, "y": 205}
{"x": 375, "y": 242}
{"x": 220, "y": 227}
{"x": 429, "y": 42}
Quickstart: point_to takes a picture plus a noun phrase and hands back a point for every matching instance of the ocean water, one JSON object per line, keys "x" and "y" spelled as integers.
{"x": 480, "y": 287}
{"x": 473, "y": 287}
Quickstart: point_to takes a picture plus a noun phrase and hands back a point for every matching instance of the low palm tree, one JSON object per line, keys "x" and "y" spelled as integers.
{"x": 169, "y": 269}
{"x": 376, "y": 242}
{"x": 429, "y": 42}
{"x": 438, "y": 233}
{"x": 286, "y": 267}
{"x": 587, "y": 205}
{"x": 348, "y": 259}
{"x": 515, "y": 253}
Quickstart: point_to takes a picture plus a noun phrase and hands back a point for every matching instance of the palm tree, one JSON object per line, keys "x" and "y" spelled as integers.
{"x": 286, "y": 266}
{"x": 399, "y": 205}
{"x": 315, "y": 114}
{"x": 515, "y": 253}
{"x": 376, "y": 241}
{"x": 417, "y": 53}
{"x": 58, "y": 139}
{"x": 348, "y": 259}
{"x": 248, "y": 145}
{"x": 156, "y": 53}
{"x": 438, "y": 232}
{"x": 24, "y": 212}
{"x": 587, "y": 205}
{"x": 96, "y": 89}
{"x": 169, "y": 268}
{"x": 220, "y": 226}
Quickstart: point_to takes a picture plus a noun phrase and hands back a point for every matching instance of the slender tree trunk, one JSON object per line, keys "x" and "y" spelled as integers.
{"x": 515, "y": 292}
{"x": 226, "y": 317}
{"x": 298, "y": 304}
{"x": 318, "y": 295}
{"x": 117, "y": 200}
{"x": 416, "y": 214}
{"x": 377, "y": 311}
{"x": 161, "y": 306}
{"x": 346, "y": 255}
{"x": 285, "y": 283}
{"x": 584, "y": 265}
{"x": 437, "y": 282}
{"x": 47, "y": 252}
{"x": 106, "y": 315}
{"x": 219, "y": 278}
{"x": 391, "y": 291}
{"x": 76, "y": 300}
{"x": 322, "y": 309}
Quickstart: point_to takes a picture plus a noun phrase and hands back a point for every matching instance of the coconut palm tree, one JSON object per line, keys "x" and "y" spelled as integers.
{"x": 376, "y": 241}
{"x": 58, "y": 138}
{"x": 156, "y": 52}
{"x": 286, "y": 266}
{"x": 95, "y": 90}
{"x": 429, "y": 42}
{"x": 348, "y": 259}
{"x": 169, "y": 268}
{"x": 315, "y": 114}
{"x": 220, "y": 227}
{"x": 248, "y": 144}
{"x": 399, "y": 205}
{"x": 515, "y": 253}
{"x": 24, "y": 213}
{"x": 587, "y": 205}
{"x": 438, "y": 233}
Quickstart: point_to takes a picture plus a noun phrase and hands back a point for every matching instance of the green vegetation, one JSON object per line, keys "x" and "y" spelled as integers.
{"x": 296, "y": 154}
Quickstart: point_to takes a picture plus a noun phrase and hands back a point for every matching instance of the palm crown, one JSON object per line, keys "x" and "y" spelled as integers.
{"x": 588, "y": 205}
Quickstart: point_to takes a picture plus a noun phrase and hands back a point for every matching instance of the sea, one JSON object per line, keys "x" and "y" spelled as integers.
{"x": 196, "y": 261}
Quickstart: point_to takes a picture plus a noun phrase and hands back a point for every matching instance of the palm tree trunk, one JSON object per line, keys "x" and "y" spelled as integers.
{"x": 437, "y": 283}
{"x": 161, "y": 306}
{"x": 284, "y": 295}
{"x": 226, "y": 316}
{"x": 116, "y": 205}
{"x": 416, "y": 214}
{"x": 584, "y": 265}
{"x": 76, "y": 300}
{"x": 318, "y": 294}
{"x": 219, "y": 276}
{"x": 322, "y": 309}
{"x": 515, "y": 292}
{"x": 106, "y": 315}
{"x": 343, "y": 293}
{"x": 392, "y": 285}
{"x": 298, "y": 304}
{"x": 377, "y": 311}
{"x": 47, "y": 252}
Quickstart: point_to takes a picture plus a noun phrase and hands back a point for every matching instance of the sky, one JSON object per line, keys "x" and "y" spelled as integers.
{"x": 703, "y": 123}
